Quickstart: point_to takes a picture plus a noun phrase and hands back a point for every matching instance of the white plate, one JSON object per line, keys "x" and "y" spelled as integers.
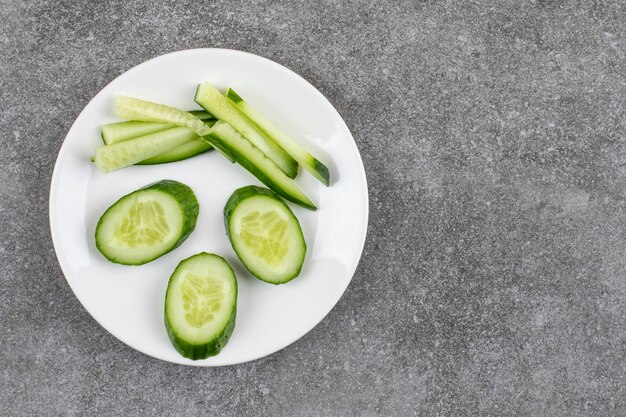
{"x": 128, "y": 301}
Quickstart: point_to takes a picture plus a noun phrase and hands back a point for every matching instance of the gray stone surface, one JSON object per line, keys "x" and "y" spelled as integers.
{"x": 493, "y": 280}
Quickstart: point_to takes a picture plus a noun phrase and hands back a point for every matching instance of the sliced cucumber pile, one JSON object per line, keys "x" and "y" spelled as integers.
{"x": 147, "y": 223}
{"x": 224, "y": 137}
{"x": 308, "y": 161}
{"x": 265, "y": 234}
{"x": 201, "y": 305}
{"x": 201, "y": 297}
{"x": 223, "y": 109}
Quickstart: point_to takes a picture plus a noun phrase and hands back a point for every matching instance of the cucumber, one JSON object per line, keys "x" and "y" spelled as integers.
{"x": 147, "y": 223}
{"x": 265, "y": 234}
{"x": 123, "y": 154}
{"x": 196, "y": 145}
{"x": 297, "y": 152}
{"x": 113, "y": 133}
{"x": 202, "y": 114}
{"x": 135, "y": 109}
{"x": 225, "y": 138}
{"x": 201, "y": 305}
{"x": 192, "y": 148}
{"x": 223, "y": 109}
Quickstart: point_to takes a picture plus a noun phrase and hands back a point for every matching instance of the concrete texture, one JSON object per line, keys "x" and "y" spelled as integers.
{"x": 493, "y": 280}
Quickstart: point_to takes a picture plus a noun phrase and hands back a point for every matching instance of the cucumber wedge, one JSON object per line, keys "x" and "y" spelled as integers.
{"x": 265, "y": 234}
{"x": 223, "y": 109}
{"x": 297, "y": 152}
{"x": 113, "y": 133}
{"x": 123, "y": 154}
{"x": 147, "y": 223}
{"x": 135, "y": 109}
{"x": 201, "y": 305}
{"x": 225, "y": 138}
{"x": 192, "y": 148}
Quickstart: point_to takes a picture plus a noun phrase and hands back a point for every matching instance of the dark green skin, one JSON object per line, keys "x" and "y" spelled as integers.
{"x": 237, "y": 197}
{"x": 323, "y": 170}
{"x": 209, "y": 347}
{"x": 189, "y": 208}
{"x": 231, "y": 94}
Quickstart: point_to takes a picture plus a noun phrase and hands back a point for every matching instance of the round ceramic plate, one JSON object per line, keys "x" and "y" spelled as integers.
{"x": 128, "y": 301}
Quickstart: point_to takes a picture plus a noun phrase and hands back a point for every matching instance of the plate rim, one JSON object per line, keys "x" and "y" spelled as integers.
{"x": 62, "y": 153}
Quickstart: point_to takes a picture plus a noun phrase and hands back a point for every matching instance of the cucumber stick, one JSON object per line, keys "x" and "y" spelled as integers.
{"x": 113, "y": 133}
{"x": 265, "y": 234}
{"x": 192, "y": 148}
{"x": 123, "y": 154}
{"x": 222, "y": 108}
{"x": 135, "y": 109}
{"x": 305, "y": 159}
{"x": 201, "y": 305}
{"x": 225, "y": 138}
{"x": 147, "y": 223}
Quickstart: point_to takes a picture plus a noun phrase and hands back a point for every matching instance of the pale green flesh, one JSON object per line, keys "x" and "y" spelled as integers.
{"x": 304, "y": 158}
{"x": 121, "y": 155}
{"x": 135, "y": 109}
{"x": 224, "y": 109}
{"x": 267, "y": 238}
{"x": 200, "y": 299}
{"x": 119, "y": 132}
{"x": 143, "y": 224}
{"x": 238, "y": 144}
{"x": 263, "y": 235}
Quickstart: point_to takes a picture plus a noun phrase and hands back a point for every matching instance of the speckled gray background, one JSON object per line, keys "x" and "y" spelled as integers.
{"x": 493, "y": 280}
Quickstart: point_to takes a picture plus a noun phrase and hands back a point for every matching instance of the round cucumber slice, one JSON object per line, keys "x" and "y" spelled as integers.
{"x": 265, "y": 234}
{"x": 147, "y": 223}
{"x": 201, "y": 305}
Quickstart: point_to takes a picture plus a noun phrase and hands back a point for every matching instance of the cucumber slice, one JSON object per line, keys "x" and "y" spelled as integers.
{"x": 265, "y": 234}
{"x": 113, "y": 133}
{"x": 225, "y": 138}
{"x": 192, "y": 148}
{"x": 135, "y": 109}
{"x": 215, "y": 103}
{"x": 123, "y": 154}
{"x": 297, "y": 152}
{"x": 147, "y": 223}
{"x": 201, "y": 305}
